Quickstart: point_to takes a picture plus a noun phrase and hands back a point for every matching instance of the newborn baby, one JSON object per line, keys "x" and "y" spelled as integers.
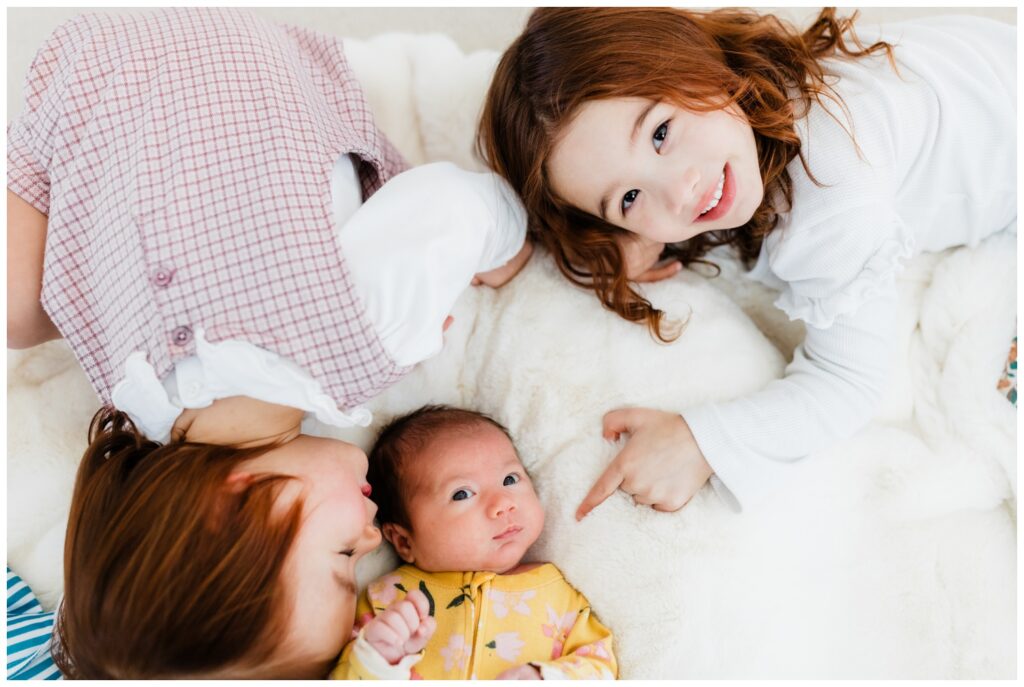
{"x": 456, "y": 503}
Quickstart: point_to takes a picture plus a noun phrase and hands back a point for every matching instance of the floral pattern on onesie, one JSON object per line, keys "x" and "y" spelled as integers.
{"x": 486, "y": 624}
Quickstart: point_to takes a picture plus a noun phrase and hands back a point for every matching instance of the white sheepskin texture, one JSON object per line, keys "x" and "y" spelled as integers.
{"x": 890, "y": 555}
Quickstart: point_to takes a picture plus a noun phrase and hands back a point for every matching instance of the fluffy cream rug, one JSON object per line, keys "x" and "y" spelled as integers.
{"x": 891, "y": 555}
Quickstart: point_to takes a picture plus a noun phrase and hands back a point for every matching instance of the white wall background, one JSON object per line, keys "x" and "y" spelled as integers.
{"x": 473, "y": 28}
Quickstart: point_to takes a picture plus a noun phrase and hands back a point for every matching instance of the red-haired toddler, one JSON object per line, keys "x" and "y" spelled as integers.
{"x": 634, "y": 134}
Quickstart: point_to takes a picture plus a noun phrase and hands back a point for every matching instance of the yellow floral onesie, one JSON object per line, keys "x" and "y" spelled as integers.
{"x": 486, "y": 624}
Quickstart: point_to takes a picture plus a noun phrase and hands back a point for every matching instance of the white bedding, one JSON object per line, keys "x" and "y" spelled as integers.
{"x": 890, "y": 555}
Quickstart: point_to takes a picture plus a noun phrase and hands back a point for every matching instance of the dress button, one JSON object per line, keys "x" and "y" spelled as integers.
{"x": 162, "y": 276}
{"x": 181, "y": 336}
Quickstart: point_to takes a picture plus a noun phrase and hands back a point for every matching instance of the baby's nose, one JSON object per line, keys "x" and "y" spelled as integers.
{"x": 502, "y": 506}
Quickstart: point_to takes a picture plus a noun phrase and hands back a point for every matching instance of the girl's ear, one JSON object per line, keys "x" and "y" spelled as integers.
{"x": 400, "y": 538}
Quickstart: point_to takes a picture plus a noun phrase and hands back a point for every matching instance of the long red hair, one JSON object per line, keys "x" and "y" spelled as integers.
{"x": 168, "y": 570}
{"x": 568, "y": 56}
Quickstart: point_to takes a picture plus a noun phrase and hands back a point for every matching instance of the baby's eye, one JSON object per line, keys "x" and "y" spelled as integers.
{"x": 660, "y": 134}
{"x": 462, "y": 494}
{"x": 510, "y": 479}
{"x": 628, "y": 199}
{"x": 349, "y": 553}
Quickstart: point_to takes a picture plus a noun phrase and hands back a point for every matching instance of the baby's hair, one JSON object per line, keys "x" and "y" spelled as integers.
{"x": 404, "y": 438}
{"x": 699, "y": 60}
{"x": 169, "y": 571}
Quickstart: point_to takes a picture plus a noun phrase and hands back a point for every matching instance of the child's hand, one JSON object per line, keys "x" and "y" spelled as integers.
{"x": 502, "y": 275}
{"x": 661, "y": 465}
{"x": 403, "y": 629}
{"x": 523, "y": 672}
{"x": 641, "y": 255}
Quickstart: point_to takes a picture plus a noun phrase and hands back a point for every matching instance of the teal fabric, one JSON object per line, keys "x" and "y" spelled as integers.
{"x": 29, "y": 632}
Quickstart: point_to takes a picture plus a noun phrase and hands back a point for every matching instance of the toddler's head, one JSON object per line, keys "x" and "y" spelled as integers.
{"x": 665, "y": 127}
{"x": 452, "y": 492}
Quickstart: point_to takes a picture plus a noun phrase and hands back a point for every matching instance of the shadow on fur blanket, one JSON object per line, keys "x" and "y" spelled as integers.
{"x": 890, "y": 555}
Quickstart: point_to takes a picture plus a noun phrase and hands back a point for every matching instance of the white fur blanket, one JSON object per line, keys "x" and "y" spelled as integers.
{"x": 890, "y": 555}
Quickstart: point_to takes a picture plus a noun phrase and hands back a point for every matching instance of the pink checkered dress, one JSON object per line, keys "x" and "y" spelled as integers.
{"x": 184, "y": 159}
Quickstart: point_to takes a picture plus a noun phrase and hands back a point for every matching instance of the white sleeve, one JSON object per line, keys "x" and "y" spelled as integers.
{"x": 378, "y": 665}
{"x": 414, "y": 246}
{"x": 831, "y": 389}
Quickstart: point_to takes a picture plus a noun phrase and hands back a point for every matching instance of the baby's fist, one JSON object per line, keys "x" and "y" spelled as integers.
{"x": 523, "y": 672}
{"x": 403, "y": 629}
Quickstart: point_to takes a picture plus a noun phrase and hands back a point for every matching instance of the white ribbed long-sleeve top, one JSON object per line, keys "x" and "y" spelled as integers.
{"x": 936, "y": 168}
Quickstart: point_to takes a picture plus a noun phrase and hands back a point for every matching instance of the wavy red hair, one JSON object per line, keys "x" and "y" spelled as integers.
{"x": 169, "y": 571}
{"x": 568, "y": 56}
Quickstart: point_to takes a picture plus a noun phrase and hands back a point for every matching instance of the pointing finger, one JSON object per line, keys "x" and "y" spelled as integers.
{"x": 604, "y": 487}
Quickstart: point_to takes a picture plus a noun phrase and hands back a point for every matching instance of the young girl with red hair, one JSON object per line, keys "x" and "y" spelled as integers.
{"x": 633, "y": 135}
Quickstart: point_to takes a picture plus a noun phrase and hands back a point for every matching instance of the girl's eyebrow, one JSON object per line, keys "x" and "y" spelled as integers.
{"x": 640, "y": 120}
{"x": 605, "y": 199}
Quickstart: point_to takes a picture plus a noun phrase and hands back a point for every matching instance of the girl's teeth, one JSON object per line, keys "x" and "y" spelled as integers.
{"x": 717, "y": 197}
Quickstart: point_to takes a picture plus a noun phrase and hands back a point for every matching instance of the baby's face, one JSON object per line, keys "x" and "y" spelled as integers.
{"x": 472, "y": 505}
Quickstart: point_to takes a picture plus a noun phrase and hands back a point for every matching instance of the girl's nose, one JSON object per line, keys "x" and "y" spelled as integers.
{"x": 372, "y": 538}
{"x": 680, "y": 191}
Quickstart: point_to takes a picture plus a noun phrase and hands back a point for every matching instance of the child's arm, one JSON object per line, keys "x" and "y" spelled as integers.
{"x": 33, "y": 140}
{"x": 502, "y": 275}
{"x": 388, "y": 645}
{"x": 27, "y": 322}
{"x": 586, "y": 654}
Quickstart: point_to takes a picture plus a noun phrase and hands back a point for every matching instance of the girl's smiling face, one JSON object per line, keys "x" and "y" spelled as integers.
{"x": 656, "y": 169}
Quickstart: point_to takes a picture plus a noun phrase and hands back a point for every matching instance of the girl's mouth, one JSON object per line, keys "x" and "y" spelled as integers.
{"x": 719, "y": 200}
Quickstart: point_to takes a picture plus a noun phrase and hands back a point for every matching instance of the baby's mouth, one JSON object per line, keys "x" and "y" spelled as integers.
{"x": 510, "y": 531}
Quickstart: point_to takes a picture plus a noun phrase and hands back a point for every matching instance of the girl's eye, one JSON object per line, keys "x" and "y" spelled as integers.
{"x": 660, "y": 134}
{"x": 462, "y": 495}
{"x": 627, "y": 200}
{"x": 349, "y": 553}
{"x": 510, "y": 480}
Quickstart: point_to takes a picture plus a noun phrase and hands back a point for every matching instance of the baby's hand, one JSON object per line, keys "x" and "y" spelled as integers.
{"x": 523, "y": 672}
{"x": 403, "y": 629}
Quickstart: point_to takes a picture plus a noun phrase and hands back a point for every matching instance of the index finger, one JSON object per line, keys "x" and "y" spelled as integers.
{"x": 604, "y": 487}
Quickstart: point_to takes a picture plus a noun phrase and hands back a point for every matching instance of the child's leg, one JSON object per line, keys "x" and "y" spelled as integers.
{"x": 27, "y": 323}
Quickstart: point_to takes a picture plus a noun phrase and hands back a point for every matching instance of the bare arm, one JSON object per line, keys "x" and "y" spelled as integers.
{"x": 27, "y": 322}
{"x": 239, "y": 421}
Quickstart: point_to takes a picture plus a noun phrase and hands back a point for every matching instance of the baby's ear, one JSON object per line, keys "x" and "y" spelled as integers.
{"x": 400, "y": 538}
